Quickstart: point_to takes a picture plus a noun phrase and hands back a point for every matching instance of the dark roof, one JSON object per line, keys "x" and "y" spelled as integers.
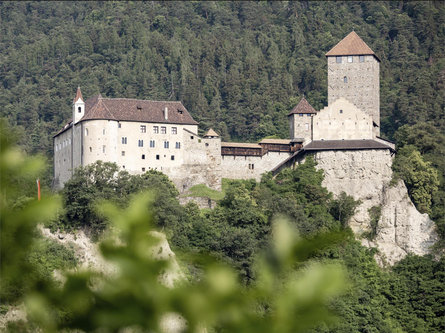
{"x": 65, "y": 127}
{"x": 124, "y": 109}
{"x": 352, "y": 44}
{"x": 344, "y": 145}
{"x": 302, "y": 107}
{"x": 331, "y": 145}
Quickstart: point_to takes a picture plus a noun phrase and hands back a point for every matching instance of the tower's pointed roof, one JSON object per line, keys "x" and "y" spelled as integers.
{"x": 302, "y": 107}
{"x": 78, "y": 95}
{"x": 211, "y": 132}
{"x": 352, "y": 44}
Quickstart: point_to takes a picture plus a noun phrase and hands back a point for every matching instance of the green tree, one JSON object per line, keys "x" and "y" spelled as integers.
{"x": 419, "y": 176}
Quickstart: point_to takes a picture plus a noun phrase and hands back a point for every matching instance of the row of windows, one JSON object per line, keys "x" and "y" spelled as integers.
{"x": 302, "y": 114}
{"x": 143, "y": 169}
{"x": 63, "y": 144}
{"x": 143, "y": 129}
{"x": 158, "y": 157}
{"x": 153, "y": 143}
{"x": 174, "y": 130}
{"x": 350, "y": 58}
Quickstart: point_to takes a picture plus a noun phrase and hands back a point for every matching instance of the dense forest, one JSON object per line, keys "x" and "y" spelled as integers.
{"x": 238, "y": 67}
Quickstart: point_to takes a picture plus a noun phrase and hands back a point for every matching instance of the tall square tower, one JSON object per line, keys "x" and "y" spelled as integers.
{"x": 353, "y": 73}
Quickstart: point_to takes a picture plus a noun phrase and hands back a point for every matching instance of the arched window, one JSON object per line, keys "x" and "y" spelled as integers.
{"x": 345, "y": 79}
{"x": 79, "y": 109}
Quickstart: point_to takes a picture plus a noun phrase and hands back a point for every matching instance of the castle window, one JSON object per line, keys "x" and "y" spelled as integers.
{"x": 124, "y": 140}
{"x": 123, "y": 153}
{"x": 91, "y": 150}
{"x": 152, "y": 143}
{"x": 345, "y": 79}
{"x": 140, "y": 143}
{"x": 306, "y": 126}
{"x": 341, "y": 111}
{"x": 338, "y": 60}
{"x": 172, "y": 157}
{"x": 174, "y": 130}
{"x": 143, "y": 129}
{"x": 123, "y": 167}
{"x": 103, "y": 131}
{"x": 79, "y": 109}
{"x": 155, "y": 129}
{"x": 308, "y": 114}
{"x": 157, "y": 157}
{"x": 178, "y": 145}
{"x": 119, "y": 125}
{"x": 300, "y": 114}
{"x": 86, "y": 131}
{"x": 350, "y": 58}
{"x": 191, "y": 137}
{"x": 143, "y": 169}
{"x": 166, "y": 144}
{"x": 143, "y": 156}
{"x": 103, "y": 149}
{"x": 163, "y": 130}
{"x": 361, "y": 58}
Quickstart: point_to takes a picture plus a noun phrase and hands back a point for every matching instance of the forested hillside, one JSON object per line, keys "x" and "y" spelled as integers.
{"x": 238, "y": 67}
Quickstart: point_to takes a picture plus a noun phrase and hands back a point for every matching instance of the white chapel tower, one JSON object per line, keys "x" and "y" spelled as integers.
{"x": 78, "y": 106}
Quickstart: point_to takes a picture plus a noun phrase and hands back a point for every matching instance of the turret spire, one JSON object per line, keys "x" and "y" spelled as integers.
{"x": 78, "y": 95}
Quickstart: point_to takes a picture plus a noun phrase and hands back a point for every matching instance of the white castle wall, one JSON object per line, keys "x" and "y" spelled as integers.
{"x": 62, "y": 158}
{"x": 342, "y": 120}
{"x": 201, "y": 164}
{"x": 240, "y": 167}
{"x": 300, "y": 126}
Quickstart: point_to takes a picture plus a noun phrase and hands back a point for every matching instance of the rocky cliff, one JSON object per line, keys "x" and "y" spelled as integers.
{"x": 366, "y": 175}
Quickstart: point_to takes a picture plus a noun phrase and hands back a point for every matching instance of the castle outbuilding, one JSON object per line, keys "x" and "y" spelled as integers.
{"x": 139, "y": 135}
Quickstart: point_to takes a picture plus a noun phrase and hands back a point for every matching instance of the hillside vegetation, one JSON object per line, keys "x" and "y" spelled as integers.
{"x": 238, "y": 67}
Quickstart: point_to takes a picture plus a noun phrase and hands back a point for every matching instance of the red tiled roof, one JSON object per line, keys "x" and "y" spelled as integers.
{"x": 352, "y": 44}
{"x": 78, "y": 95}
{"x": 125, "y": 109}
{"x": 302, "y": 107}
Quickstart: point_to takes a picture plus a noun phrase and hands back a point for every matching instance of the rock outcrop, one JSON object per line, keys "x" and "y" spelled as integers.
{"x": 366, "y": 175}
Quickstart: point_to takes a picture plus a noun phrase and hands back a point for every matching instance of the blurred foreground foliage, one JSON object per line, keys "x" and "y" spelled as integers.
{"x": 288, "y": 283}
{"x": 282, "y": 299}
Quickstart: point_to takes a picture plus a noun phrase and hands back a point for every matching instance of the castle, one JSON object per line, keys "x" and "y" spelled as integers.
{"x": 139, "y": 135}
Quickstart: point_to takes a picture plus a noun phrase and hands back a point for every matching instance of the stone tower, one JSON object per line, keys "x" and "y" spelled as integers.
{"x": 300, "y": 121}
{"x": 353, "y": 73}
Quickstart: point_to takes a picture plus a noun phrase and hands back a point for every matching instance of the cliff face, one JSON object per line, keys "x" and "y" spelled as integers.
{"x": 366, "y": 176}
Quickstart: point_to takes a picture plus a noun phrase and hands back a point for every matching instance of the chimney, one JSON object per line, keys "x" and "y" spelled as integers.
{"x": 166, "y": 113}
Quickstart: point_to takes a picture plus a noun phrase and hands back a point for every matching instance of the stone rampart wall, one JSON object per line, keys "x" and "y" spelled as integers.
{"x": 248, "y": 167}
